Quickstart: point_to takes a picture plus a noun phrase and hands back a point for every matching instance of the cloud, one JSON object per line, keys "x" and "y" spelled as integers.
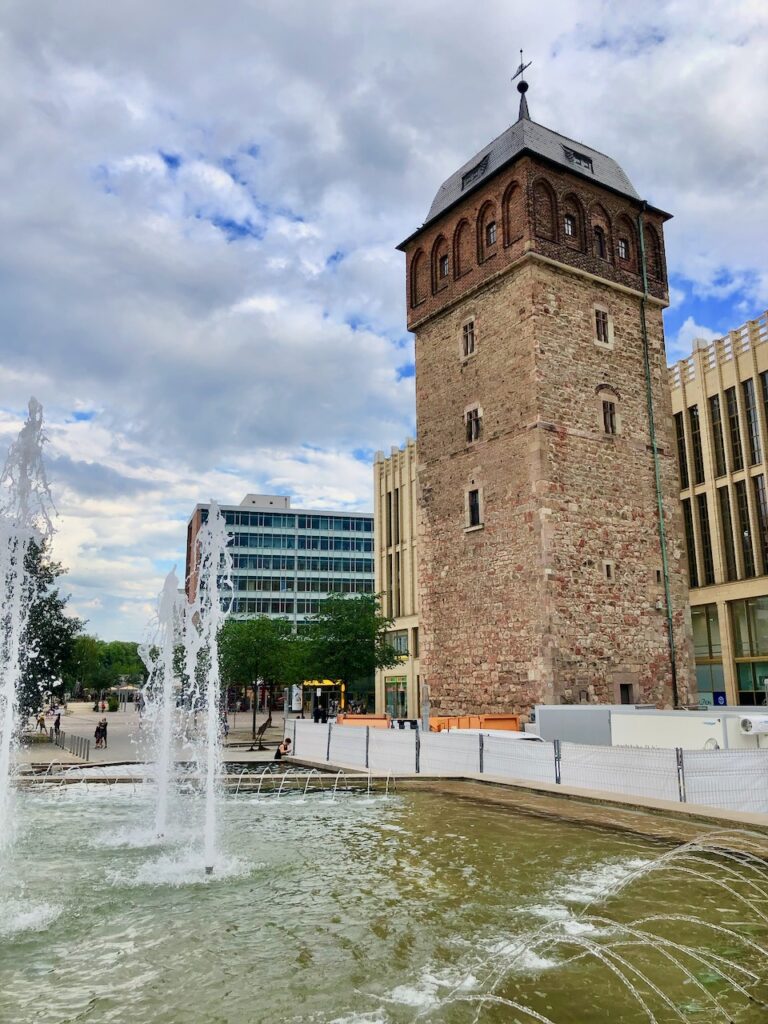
{"x": 682, "y": 345}
{"x": 197, "y": 266}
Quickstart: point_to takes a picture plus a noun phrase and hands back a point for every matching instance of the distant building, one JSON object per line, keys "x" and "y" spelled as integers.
{"x": 395, "y": 511}
{"x": 720, "y": 405}
{"x": 535, "y": 289}
{"x": 286, "y": 561}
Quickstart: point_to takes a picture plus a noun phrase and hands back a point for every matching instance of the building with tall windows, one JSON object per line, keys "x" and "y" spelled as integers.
{"x": 395, "y": 533}
{"x": 720, "y": 406}
{"x": 285, "y": 560}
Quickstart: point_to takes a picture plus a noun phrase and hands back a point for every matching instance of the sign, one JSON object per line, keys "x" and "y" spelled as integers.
{"x": 297, "y": 698}
{"x": 719, "y": 698}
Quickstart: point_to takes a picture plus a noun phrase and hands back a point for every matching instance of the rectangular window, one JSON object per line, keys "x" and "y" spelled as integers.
{"x": 761, "y": 506}
{"x": 473, "y": 424}
{"x": 764, "y": 382}
{"x": 698, "y": 457}
{"x": 473, "y": 499}
{"x": 737, "y": 459}
{"x": 399, "y": 641}
{"x": 569, "y": 225}
{"x": 706, "y": 540}
{"x": 468, "y": 338}
{"x": 601, "y": 326}
{"x": 728, "y": 545}
{"x": 415, "y": 642}
{"x": 745, "y": 532}
{"x": 718, "y": 442}
{"x": 443, "y": 266}
{"x": 682, "y": 458}
{"x": 623, "y": 249}
{"x": 490, "y": 233}
{"x": 609, "y": 417}
{"x": 753, "y": 423}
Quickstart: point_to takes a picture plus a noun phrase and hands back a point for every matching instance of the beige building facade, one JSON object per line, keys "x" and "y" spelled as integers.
{"x": 395, "y": 530}
{"x": 720, "y": 407}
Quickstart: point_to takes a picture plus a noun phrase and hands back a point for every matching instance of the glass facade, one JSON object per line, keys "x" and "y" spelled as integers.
{"x": 727, "y": 524}
{"x": 690, "y": 544}
{"x": 276, "y": 571}
{"x": 753, "y": 423}
{"x": 698, "y": 456}
{"x": 396, "y": 696}
{"x": 737, "y": 458}
{"x": 718, "y": 442}
{"x": 749, "y": 619}
{"x": 744, "y": 531}
{"x": 761, "y": 506}
{"x": 706, "y": 540}
{"x": 681, "y": 456}
{"x": 708, "y": 652}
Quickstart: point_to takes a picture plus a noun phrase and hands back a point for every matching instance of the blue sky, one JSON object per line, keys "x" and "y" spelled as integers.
{"x": 198, "y": 271}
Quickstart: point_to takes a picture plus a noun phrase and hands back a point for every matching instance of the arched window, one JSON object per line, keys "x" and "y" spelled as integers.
{"x": 462, "y": 248}
{"x": 545, "y": 210}
{"x": 511, "y": 214}
{"x": 487, "y": 232}
{"x": 440, "y": 263}
{"x": 653, "y": 253}
{"x": 609, "y": 416}
{"x": 573, "y": 222}
{"x": 600, "y": 247}
{"x": 626, "y": 244}
{"x": 418, "y": 284}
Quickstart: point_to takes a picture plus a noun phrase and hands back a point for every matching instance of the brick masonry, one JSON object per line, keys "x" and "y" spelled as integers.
{"x": 520, "y": 611}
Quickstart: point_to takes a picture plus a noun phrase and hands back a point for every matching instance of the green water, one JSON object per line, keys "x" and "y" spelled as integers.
{"x": 355, "y": 911}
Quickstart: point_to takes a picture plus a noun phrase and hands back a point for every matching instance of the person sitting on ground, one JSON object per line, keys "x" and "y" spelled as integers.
{"x": 283, "y": 750}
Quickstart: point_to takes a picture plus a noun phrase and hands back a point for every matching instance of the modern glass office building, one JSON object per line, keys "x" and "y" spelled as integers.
{"x": 285, "y": 560}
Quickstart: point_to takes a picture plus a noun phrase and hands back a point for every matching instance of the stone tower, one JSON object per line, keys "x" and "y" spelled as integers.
{"x": 535, "y": 289}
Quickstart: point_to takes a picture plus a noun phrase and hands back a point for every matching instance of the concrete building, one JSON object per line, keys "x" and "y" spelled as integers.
{"x": 551, "y": 552}
{"x": 720, "y": 405}
{"x": 285, "y": 561}
{"x": 395, "y": 531}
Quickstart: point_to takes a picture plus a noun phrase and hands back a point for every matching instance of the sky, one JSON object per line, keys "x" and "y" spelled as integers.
{"x": 199, "y": 208}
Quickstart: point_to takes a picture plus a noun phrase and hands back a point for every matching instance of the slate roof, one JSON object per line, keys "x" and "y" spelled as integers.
{"x": 527, "y": 136}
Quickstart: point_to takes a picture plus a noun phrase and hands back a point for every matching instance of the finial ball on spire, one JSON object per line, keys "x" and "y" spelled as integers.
{"x": 522, "y": 86}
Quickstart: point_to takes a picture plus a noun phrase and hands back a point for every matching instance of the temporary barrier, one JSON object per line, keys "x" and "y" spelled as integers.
{"x": 636, "y": 771}
{"x": 392, "y": 750}
{"x": 449, "y": 753}
{"x": 347, "y": 745}
{"x": 736, "y": 779}
{"x": 518, "y": 759}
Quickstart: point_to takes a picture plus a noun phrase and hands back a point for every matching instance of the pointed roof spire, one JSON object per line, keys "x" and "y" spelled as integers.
{"x": 522, "y": 88}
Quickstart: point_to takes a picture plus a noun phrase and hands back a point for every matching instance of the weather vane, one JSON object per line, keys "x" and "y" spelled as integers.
{"x": 521, "y": 69}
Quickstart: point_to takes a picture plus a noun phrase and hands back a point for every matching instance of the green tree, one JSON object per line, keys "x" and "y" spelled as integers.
{"x": 347, "y": 640}
{"x": 98, "y": 665}
{"x": 260, "y": 650}
{"x": 48, "y": 641}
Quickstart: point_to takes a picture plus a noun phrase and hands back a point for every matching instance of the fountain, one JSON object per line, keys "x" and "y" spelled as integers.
{"x": 26, "y": 508}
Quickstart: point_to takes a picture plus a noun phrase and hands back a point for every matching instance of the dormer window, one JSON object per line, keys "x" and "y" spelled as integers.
{"x": 579, "y": 159}
{"x": 442, "y": 267}
{"x": 569, "y": 225}
{"x": 474, "y": 174}
{"x": 490, "y": 233}
{"x": 623, "y": 248}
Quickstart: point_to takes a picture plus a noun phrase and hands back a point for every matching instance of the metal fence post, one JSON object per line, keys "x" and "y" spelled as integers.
{"x": 367, "y": 743}
{"x": 558, "y": 755}
{"x": 87, "y": 750}
{"x": 680, "y": 773}
{"x": 328, "y": 748}
{"x": 418, "y": 752}
{"x": 294, "y": 736}
{"x": 480, "y": 752}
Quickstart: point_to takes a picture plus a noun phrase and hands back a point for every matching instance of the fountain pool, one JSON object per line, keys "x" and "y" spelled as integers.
{"x": 415, "y": 907}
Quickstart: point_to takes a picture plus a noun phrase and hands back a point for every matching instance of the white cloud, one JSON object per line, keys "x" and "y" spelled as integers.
{"x": 216, "y": 366}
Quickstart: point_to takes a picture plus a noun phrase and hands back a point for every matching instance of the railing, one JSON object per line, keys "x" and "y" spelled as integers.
{"x": 77, "y": 745}
{"x": 721, "y": 350}
{"x": 735, "y": 780}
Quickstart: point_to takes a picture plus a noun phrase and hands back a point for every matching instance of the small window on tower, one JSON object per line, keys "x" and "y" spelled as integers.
{"x": 609, "y": 417}
{"x": 569, "y": 225}
{"x": 601, "y": 327}
{"x": 490, "y": 233}
{"x": 623, "y": 249}
{"x": 473, "y": 422}
{"x": 600, "y": 248}
{"x": 442, "y": 267}
{"x": 468, "y": 339}
{"x": 473, "y": 508}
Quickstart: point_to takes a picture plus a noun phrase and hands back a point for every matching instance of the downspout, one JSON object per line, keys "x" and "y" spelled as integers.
{"x": 656, "y": 463}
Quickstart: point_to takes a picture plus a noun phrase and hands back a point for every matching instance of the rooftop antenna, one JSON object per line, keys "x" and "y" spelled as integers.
{"x": 522, "y": 88}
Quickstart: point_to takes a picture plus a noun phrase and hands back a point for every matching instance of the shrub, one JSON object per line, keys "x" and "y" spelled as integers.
{"x": 113, "y": 704}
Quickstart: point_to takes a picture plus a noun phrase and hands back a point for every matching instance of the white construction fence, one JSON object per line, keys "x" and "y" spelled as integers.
{"x": 736, "y": 780}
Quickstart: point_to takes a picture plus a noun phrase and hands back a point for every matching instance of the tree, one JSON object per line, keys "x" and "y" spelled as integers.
{"x": 101, "y": 665}
{"x": 48, "y": 640}
{"x": 347, "y": 640}
{"x": 261, "y": 649}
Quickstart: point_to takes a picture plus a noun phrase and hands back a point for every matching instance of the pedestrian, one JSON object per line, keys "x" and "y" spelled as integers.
{"x": 104, "y": 732}
{"x": 57, "y": 724}
{"x": 97, "y": 735}
{"x": 41, "y": 722}
{"x": 283, "y": 750}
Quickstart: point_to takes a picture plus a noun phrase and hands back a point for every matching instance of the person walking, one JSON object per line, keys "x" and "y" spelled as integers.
{"x": 97, "y": 735}
{"x": 104, "y": 733}
{"x": 41, "y": 722}
{"x": 57, "y": 724}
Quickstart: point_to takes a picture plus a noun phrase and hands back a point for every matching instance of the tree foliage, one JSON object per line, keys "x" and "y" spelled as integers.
{"x": 50, "y": 635}
{"x": 347, "y": 639}
{"x": 97, "y": 665}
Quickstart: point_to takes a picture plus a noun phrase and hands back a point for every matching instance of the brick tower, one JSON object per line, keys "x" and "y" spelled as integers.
{"x": 535, "y": 289}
